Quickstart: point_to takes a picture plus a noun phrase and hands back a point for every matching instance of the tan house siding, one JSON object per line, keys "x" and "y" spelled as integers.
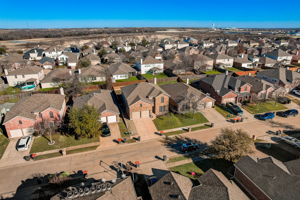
{"x": 158, "y": 103}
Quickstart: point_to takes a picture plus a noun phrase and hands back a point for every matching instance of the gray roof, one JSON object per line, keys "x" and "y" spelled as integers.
{"x": 258, "y": 85}
{"x": 141, "y": 91}
{"x": 26, "y": 70}
{"x": 220, "y": 56}
{"x": 215, "y": 186}
{"x": 282, "y": 74}
{"x": 271, "y": 176}
{"x": 58, "y": 75}
{"x": 47, "y": 59}
{"x": 278, "y": 53}
{"x": 29, "y": 106}
{"x": 38, "y": 50}
{"x": 120, "y": 68}
{"x": 93, "y": 71}
{"x": 102, "y": 101}
{"x": 151, "y": 60}
{"x": 223, "y": 83}
{"x": 180, "y": 91}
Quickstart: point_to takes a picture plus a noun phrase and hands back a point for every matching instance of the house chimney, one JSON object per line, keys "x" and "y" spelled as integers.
{"x": 155, "y": 80}
{"x": 141, "y": 61}
{"x": 5, "y": 72}
{"x": 187, "y": 81}
{"x": 61, "y": 91}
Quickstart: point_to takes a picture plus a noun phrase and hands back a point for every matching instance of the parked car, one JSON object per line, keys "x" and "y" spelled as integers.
{"x": 296, "y": 92}
{"x": 283, "y": 100}
{"x": 188, "y": 147}
{"x": 287, "y": 113}
{"x": 265, "y": 116}
{"x": 291, "y": 140}
{"x": 234, "y": 109}
{"x": 105, "y": 131}
{"x": 24, "y": 143}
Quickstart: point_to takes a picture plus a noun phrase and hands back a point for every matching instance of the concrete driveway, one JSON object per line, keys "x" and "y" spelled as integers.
{"x": 145, "y": 128}
{"x": 11, "y": 155}
{"x": 115, "y": 133}
{"x": 213, "y": 116}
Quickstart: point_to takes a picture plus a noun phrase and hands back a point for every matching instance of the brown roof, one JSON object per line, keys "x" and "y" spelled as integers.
{"x": 151, "y": 60}
{"x": 28, "y": 107}
{"x": 58, "y": 75}
{"x": 102, "y": 101}
{"x": 26, "y": 70}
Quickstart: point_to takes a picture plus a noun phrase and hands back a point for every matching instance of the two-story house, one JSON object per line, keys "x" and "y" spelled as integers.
{"x": 120, "y": 71}
{"x": 22, "y": 75}
{"x": 34, "y": 54}
{"x": 222, "y": 60}
{"x": 280, "y": 56}
{"x": 150, "y": 65}
{"x": 145, "y": 100}
{"x": 25, "y": 115}
{"x": 225, "y": 88}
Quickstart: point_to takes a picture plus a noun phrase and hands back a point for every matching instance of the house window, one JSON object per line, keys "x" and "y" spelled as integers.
{"x": 162, "y": 99}
{"x": 51, "y": 114}
{"x": 162, "y": 108}
{"x": 141, "y": 105}
{"x": 20, "y": 122}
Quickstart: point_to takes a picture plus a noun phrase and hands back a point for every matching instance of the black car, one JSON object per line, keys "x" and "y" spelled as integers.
{"x": 283, "y": 100}
{"x": 105, "y": 130}
{"x": 234, "y": 109}
{"x": 287, "y": 113}
{"x": 188, "y": 147}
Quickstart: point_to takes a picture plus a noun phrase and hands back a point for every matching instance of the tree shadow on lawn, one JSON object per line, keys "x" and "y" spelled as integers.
{"x": 174, "y": 145}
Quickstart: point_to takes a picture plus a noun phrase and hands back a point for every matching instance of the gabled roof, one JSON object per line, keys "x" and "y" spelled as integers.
{"x": 35, "y": 50}
{"x": 258, "y": 85}
{"x": 58, "y": 75}
{"x": 28, "y": 107}
{"x": 120, "y": 68}
{"x": 26, "y": 70}
{"x": 46, "y": 59}
{"x": 93, "y": 71}
{"x": 271, "y": 176}
{"x": 151, "y": 60}
{"x": 102, "y": 101}
{"x": 220, "y": 56}
{"x": 282, "y": 74}
{"x": 141, "y": 91}
{"x": 278, "y": 53}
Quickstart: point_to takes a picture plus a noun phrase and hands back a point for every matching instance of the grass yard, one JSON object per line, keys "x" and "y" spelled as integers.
{"x": 202, "y": 166}
{"x": 168, "y": 82}
{"x": 224, "y": 113}
{"x": 262, "y": 107}
{"x": 133, "y": 78}
{"x": 3, "y": 144}
{"x": 47, "y": 89}
{"x": 212, "y": 72}
{"x": 40, "y": 144}
{"x": 123, "y": 129}
{"x": 175, "y": 132}
{"x": 46, "y": 156}
{"x": 177, "y": 159}
{"x": 10, "y": 90}
{"x": 233, "y": 69}
{"x": 171, "y": 120}
{"x": 82, "y": 150}
{"x": 151, "y": 76}
{"x": 200, "y": 128}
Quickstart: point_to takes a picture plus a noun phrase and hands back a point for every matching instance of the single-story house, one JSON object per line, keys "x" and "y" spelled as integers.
{"x": 121, "y": 71}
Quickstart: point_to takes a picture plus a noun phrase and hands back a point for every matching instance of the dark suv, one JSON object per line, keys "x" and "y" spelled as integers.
{"x": 234, "y": 109}
{"x": 283, "y": 100}
{"x": 105, "y": 130}
{"x": 287, "y": 113}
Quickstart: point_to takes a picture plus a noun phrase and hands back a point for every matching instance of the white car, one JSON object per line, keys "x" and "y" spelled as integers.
{"x": 296, "y": 92}
{"x": 24, "y": 143}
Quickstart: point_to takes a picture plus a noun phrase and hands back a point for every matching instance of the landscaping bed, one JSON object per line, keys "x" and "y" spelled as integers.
{"x": 40, "y": 144}
{"x": 3, "y": 144}
{"x": 171, "y": 120}
{"x": 46, "y": 156}
{"x": 263, "y": 107}
{"x": 82, "y": 150}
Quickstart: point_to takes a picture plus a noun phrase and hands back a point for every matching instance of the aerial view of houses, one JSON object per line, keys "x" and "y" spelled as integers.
{"x": 99, "y": 102}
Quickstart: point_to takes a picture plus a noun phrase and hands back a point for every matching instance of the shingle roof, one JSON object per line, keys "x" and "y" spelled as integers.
{"x": 271, "y": 176}
{"x": 281, "y": 74}
{"x": 101, "y": 100}
{"x": 141, "y": 91}
{"x": 258, "y": 85}
{"x": 29, "y": 106}
{"x": 25, "y": 70}
{"x": 93, "y": 71}
{"x": 151, "y": 60}
{"x": 46, "y": 59}
{"x": 57, "y": 75}
{"x": 120, "y": 68}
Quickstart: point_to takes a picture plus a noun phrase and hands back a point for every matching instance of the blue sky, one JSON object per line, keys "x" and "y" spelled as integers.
{"x": 128, "y": 13}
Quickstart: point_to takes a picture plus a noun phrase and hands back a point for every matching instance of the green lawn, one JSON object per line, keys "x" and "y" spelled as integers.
{"x": 177, "y": 159}
{"x": 233, "y": 69}
{"x": 123, "y": 129}
{"x": 3, "y": 144}
{"x": 40, "y": 144}
{"x": 133, "y": 78}
{"x": 47, "y": 89}
{"x": 202, "y": 166}
{"x": 168, "y": 82}
{"x": 82, "y": 150}
{"x": 262, "y": 107}
{"x": 10, "y": 90}
{"x": 172, "y": 120}
{"x": 46, "y": 156}
{"x": 212, "y": 72}
{"x": 200, "y": 128}
{"x": 151, "y": 76}
{"x": 223, "y": 112}
{"x": 175, "y": 132}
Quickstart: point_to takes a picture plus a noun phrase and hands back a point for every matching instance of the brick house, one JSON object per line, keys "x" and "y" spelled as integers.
{"x": 225, "y": 88}
{"x": 102, "y": 101}
{"x": 268, "y": 178}
{"x": 281, "y": 78}
{"x": 28, "y": 112}
{"x": 184, "y": 98}
{"x": 144, "y": 100}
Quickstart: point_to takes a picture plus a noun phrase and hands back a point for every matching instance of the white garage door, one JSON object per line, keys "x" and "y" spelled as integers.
{"x": 103, "y": 119}
{"x": 208, "y": 104}
{"x": 145, "y": 114}
{"x": 229, "y": 100}
{"x": 111, "y": 119}
{"x": 16, "y": 133}
{"x": 135, "y": 115}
